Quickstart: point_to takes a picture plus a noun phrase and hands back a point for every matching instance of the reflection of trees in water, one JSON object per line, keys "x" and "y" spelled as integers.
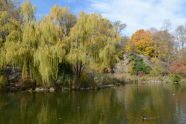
{"x": 152, "y": 102}
{"x": 92, "y": 108}
{"x": 74, "y": 108}
{"x": 108, "y": 106}
{"x": 46, "y": 116}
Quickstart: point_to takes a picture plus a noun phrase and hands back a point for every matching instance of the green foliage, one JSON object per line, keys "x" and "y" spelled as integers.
{"x": 176, "y": 78}
{"x": 138, "y": 66}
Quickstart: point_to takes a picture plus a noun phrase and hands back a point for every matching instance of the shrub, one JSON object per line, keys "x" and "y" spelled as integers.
{"x": 178, "y": 68}
{"x": 157, "y": 70}
{"x": 176, "y": 78}
{"x": 138, "y": 65}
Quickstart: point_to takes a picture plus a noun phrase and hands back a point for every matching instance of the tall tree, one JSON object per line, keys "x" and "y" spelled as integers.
{"x": 63, "y": 17}
{"x": 28, "y": 11}
{"x": 95, "y": 37}
{"x": 9, "y": 18}
{"x": 181, "y": 36}
{"x": 164, "y": 44}
{"x": 141, "y": 42}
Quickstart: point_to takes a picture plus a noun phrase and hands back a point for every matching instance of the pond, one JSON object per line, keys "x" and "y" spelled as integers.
{"x": 129, "y": 104}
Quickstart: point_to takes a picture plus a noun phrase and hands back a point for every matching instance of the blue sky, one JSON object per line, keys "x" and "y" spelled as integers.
{"x": 137, "y": 14}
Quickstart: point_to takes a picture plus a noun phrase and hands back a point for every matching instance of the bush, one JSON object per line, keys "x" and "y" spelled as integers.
{"x": 138, "y": 66}
{"x": 157, "y": 71}
{"x": 178, "y": 68}
{"x": 176, "y": 78}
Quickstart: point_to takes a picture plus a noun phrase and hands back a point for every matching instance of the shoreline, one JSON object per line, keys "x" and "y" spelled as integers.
{"x": 96, "y": 82}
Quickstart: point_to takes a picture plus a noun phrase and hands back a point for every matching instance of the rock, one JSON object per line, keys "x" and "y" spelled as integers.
{"x": 110, "y": 85}
{"x": 82, "y": 88}
{"x": 144, "y": 118}
{"x": 42, "y": 89}
{"x": 51, "y": 89}
{"x": 39, "y": 89}
{"x": 145, "y": 59}
{"x": 123, "y": 65}
{"x": 30, "y": 90}
{"x": 13, "y": 74}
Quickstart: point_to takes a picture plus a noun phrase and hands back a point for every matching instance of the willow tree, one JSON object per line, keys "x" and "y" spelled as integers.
{"x": 27, "y": 11}
{"x": 63, "y": 17}
{"x": 10, "y": 31}
{"x": 49, "y": 52}
{"x": 45, "y": 48}
{"x": 18, "y": 50}
{"x": 93, "y": 38}
{"x": 9, "y": 24}
{"x": 23, "y": 57}
{"x": 41, "y": 48}
{"x": 11, "y": 7}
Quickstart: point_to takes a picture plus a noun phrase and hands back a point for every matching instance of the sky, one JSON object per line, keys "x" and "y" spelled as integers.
{"x": 136, "y": 14}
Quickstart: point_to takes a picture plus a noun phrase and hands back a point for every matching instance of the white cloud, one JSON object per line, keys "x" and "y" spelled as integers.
{"x": 144, "y": 14}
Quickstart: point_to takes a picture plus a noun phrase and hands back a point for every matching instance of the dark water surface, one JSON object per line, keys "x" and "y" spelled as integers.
{"x": 130, "y": 104}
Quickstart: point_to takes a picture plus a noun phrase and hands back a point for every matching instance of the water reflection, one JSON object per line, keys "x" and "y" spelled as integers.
{"x": 131, "y": 104}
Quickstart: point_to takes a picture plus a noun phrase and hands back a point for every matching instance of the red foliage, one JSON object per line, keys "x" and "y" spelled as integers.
{"x": 178, "y": 67}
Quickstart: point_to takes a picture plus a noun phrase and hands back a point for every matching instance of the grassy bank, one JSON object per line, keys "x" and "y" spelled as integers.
{"x": 88, "y": 82}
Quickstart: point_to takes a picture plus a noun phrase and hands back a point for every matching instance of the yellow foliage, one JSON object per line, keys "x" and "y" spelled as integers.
{"x": 40, "y": 48}
{"x": 141, "y": 42}
{"x": 131, "y": 68}
{"x": 28, "y": 10}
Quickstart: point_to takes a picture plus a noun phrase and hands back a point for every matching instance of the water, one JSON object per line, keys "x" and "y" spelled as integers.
{"x": 130, "y": 104}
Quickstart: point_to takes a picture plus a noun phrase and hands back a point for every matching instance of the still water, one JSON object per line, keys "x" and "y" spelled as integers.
{"x": 130, "y": 104}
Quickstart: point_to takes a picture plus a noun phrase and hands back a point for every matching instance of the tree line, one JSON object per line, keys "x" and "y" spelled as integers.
{"x": 61, "y": 45}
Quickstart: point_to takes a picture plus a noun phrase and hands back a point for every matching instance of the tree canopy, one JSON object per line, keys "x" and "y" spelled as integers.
{"x": 61, "y": 43}
{"x": 46, "y": 46}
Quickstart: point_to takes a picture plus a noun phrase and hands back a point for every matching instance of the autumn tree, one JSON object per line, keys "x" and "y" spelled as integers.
{"x": 9, "y": 18}
{"x": 164, "y": 44}
{"x": 141, "y": 42}
{"x": 63, "y": 17}
{"x": 181, "y": 36}
{"x": 9, "y": 25}
{"x": 93, "y": 39}
{"x": 11, "y": 7}
{"x": 27, "y": 11}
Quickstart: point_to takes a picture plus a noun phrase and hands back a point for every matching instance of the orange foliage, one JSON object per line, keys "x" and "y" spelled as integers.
{"x": 142, "y": 43}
